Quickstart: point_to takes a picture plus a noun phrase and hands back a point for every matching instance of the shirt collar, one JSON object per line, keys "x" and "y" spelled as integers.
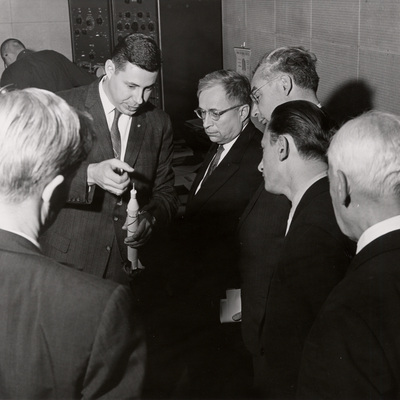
{"x": 107, "y": 105}
{"x": 378, "y": 230}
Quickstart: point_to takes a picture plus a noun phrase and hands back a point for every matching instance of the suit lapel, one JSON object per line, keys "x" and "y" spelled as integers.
{"x": 94, "y": 107}
{"x": 139, "y": 128}
{"x": 200, "y": 174}
{"x": 227, "y": 167}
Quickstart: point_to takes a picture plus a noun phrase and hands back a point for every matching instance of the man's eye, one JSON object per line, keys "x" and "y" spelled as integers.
{"x": 214, "y": 114}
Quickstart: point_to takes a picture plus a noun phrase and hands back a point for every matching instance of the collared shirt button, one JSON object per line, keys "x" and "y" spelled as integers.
{"x": 262, "y": 351}
{"x": 108, "y": 248}
{"x": 116, "y": 218}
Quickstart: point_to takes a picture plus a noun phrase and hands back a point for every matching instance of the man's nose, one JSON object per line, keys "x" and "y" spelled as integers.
{"x": 260, "y": 166}
{"x": 137, "y": 95}
{"x": 207, "y": 121}
{"x": 254, "y": 110}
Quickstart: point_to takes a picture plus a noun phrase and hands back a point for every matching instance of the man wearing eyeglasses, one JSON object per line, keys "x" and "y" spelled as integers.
{"x": 283, "y": 75}
{"x": 224, "y": 184}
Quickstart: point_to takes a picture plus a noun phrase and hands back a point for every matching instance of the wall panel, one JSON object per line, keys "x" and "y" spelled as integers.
{"x": 357, "y": 43}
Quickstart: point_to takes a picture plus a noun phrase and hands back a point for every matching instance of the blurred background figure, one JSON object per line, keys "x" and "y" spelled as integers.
{"x": 45, "y": 69}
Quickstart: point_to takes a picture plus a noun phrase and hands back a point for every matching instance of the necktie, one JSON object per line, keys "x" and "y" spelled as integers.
{"x": 214, "y": 162}
{"x": 115, "y": 135}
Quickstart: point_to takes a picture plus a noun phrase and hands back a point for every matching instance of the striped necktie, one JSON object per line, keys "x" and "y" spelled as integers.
{"x": 214, "y": 162}
{"x": 115, "y": 135}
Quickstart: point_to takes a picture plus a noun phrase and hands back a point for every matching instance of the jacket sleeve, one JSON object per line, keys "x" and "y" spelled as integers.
{"x": 163, "y": 203}
{"x": 116, "y": 364}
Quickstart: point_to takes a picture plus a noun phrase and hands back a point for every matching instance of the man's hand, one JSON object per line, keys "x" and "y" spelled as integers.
{"x": 143, "y": 232}
{"x": 111, "y": 175}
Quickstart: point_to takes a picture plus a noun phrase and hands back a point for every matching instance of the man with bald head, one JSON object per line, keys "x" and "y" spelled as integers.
{"x": 45, "y": 69}
{"x": 285, "y": 74}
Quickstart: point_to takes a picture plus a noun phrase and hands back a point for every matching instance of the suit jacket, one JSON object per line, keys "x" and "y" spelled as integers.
{"x": 261, "y": 231}
{"x": 64, "y": 334}
{"x": 353, "y": 349}
{"x": 86, "y": 228}
{"x": 212, "y": 215}
{"x": 314, "y": 258}
{"x": 44, "y": 69}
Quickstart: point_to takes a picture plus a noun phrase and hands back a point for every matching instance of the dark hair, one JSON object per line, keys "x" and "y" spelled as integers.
{"x": 137, "y": 49}
{"x": 310, "y": 127}
{"x": 236, "y": 86}
{"x": 296, "y": 61}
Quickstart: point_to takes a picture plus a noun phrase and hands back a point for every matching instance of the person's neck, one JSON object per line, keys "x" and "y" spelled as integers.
{"x": 307, "y": 95}
{"x": 23, "y": 217}
{"x": 303, "y": 173}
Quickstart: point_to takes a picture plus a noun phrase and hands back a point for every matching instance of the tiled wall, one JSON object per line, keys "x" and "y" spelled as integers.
{"x": 39, "y": 24}
{"x": 357, "y": 43}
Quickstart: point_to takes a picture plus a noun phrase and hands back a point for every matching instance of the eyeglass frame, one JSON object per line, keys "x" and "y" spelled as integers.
{"x": 256, "y": 98}
{"x": 217, "y": 114}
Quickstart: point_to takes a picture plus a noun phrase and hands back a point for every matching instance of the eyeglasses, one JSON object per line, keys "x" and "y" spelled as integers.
{"x": 214, "y": 114}
{"x": 255, "y": 93}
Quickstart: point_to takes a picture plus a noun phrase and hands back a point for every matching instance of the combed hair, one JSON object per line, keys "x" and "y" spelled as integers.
{"x": 237, "y": 86}
{"x": 41, "y": 137}
{"x": 137, "y": 49}
{"x": 298, "y": 62}
{"x": 310, "y": 127}
{"x": 367, "y": 150}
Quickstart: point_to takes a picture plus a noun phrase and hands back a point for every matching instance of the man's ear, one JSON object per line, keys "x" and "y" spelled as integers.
{"x": 287, "y": 84}
{"x": 244, "y": 112}
{"x": 283, "y": 148}
{"x": 109, "y": 68}
{"x": 50, "y": 188}
{"x": 343, "y": 189}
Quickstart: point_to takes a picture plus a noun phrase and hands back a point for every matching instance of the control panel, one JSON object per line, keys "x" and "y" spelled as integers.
{"x": 91, "y": 31}
{"x": 135, "y": 16}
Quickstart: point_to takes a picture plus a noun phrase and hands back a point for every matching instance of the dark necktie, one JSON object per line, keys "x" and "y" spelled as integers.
{"x": 115, "y": 135}
{"x": 214, "y": 162}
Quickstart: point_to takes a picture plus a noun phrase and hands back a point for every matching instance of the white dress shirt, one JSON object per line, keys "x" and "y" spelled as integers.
{"x": 124, "y": 121}
{"x": 378, "y": 230}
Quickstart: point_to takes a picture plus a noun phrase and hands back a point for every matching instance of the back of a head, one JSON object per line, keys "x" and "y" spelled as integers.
{"x": 137, "y": 49}
{"x": 11, "y": 47}
{"x": 299, "y": 63}
{"x": 236, "y": 86}
{"x": 367, "y": 150}
{"x": 310, "y": 127}
{"x": 41, "y": 137}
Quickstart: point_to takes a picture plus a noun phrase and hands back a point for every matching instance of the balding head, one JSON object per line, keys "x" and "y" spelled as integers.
{"x": 10, "y": 49}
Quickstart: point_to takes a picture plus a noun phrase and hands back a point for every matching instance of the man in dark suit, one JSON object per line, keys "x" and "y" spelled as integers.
{"x": 64, "y": 334}
{"x": 285, "y": 74}
{"x": 353, "y": 349}
{"x": 216, "y": 200}
{"x": 205, "y": 254}
{"x": 46, "y": 69}
{"x": 314, "y": 253}
{"x": 133, "y": 146}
